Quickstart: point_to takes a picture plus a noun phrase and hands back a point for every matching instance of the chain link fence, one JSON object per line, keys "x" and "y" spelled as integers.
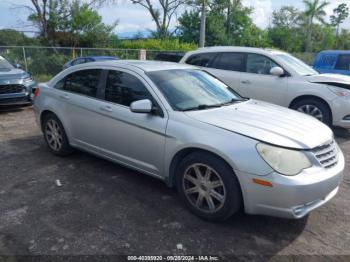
{"x": 45, "y": 62}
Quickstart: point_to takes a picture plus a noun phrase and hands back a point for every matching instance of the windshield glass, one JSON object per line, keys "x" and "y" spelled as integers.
{"x": 4, "y": 65}
{"x": 299, "y": 66}
{"x": 192, "y": 89}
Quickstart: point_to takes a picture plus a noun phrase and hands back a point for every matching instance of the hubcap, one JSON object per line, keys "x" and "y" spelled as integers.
{"x": 312, "y": 111}
{"x": 53, "y": 135}
{"x": 204, "y": 188}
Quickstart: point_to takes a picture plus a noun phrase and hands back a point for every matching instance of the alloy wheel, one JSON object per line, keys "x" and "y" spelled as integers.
{"x": 54, "y": 135}
{"x": 204, "y": 188}
{"x": 312, "y": 111}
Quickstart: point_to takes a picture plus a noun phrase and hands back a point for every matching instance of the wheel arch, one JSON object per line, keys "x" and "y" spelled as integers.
{"x": 302, "y": 97}
{"x": 42, "y": 117}
{"x": 181, "y": 154}
{"x": 47, "y": 112}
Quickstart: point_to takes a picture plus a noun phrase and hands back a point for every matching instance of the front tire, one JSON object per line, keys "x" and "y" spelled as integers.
{"x": 208, "y": 187}
{"x": 315, "y": 108}
{"x": 55, "y": 136}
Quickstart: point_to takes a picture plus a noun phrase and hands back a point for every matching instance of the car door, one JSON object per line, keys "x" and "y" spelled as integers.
{"x": 227, "y": 66}
{"x": 257, "y": 82}
{"x": 134, "y": 139}
{"x": 78, "y": 94}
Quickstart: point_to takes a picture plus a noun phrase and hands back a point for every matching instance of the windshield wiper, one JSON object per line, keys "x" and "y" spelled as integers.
{"x": 232, "y": 101}
{"x": 201, "y": 107}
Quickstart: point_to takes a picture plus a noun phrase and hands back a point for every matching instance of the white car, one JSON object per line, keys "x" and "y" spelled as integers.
{"x": 278, "y": 77}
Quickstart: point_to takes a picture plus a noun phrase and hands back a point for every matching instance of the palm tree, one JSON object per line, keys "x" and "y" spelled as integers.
{"x": 314, "y": 11}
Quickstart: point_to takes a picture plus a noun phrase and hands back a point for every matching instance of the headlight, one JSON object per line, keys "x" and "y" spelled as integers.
{"x": 28, "y": 79}
{"x": 339, "y": 91}
{"x": 285, "y": 161}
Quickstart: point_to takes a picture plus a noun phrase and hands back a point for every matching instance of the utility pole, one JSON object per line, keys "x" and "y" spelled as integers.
{"x": 202, "y": 26}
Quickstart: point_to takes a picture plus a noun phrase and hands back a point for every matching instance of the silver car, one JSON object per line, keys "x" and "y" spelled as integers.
{"x": 179, "y": 124}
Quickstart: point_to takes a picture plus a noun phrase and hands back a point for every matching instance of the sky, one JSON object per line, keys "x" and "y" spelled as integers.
{"x": 133, "y": 18}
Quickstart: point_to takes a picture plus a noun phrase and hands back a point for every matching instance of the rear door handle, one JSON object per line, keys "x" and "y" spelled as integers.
{"x": 247, "y": 82}
{"x": 65, "y": 96}
{"x": 106, "y": 108}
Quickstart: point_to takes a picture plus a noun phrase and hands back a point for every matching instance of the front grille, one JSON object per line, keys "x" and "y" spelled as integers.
{"x": 11, "y": 89}
{"x": 327, "y": 154}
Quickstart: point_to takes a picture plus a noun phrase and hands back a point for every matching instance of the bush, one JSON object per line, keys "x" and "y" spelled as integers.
{"x": 157, "y": 44}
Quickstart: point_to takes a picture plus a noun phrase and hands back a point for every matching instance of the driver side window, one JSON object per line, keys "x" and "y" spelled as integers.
{"x": 123, "y": 88}
{"x": 259, "y": 64}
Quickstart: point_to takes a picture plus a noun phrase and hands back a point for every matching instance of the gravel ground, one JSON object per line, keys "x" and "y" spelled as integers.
{"x": 100, "y": 208}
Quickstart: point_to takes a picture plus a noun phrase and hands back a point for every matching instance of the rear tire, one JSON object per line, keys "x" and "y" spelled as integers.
{"x": 316, "y": 108}
{"x": 55, "y": 136}
{"x": 208, "y": 187}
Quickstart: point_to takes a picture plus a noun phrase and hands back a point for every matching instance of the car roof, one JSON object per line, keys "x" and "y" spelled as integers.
{"x": 144, "y": 65}
{"x": 97, "y": 57}
{"x": 335, "y": 52}
{"x": 236, "y": 49}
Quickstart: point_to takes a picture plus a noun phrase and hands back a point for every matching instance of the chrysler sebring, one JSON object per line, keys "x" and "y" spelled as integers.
{"x": 220, "y": 151}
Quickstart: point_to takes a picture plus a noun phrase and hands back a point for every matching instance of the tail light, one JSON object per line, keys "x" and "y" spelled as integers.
{"x": 36, "y": 91}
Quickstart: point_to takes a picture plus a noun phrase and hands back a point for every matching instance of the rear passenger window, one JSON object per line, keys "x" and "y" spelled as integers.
{"x": 83, "y": 82}
{"x": 201, "y": 59}
{"x": 343, "y": 62}
{"x": 229, "y": 61}
{"x": 123, "y": 88}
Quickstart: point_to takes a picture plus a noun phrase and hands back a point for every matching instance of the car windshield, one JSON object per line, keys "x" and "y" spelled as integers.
{"x": 5, "y": 65}
{"x": 299, "y": 66}
{"x": 188, "y": 89}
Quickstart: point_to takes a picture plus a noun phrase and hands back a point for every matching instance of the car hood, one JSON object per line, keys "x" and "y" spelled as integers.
{"x": 329, "y": 79}
{"x": 268, "y": 123}
{"x": 12, "y": 74}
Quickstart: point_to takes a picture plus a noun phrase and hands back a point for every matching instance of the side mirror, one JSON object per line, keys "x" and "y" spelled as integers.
{"x": 141, "y": 106}
{"x": 277, "y": 71}
{"x": 18, "y": 66}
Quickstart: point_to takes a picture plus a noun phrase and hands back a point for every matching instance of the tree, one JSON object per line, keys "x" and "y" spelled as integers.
{"x": 314, "y": 11}
{"x": 339, "y": 15}
{"x": 285, "y": 31}
{"x": 55, "y": 16}
{"x": 162, "y": 13}
{"x": 286, "y": 17}
{"x": 239, "y": 28}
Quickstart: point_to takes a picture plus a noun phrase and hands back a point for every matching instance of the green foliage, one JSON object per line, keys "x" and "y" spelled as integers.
{"x": 10, "y": 37}
{"x": 70, "y": 23}
{"x": 157, "y": 44}
{"x": 314, "y": 10}
{"x": 226, "y": 24}
{"x": 339, "y": 15}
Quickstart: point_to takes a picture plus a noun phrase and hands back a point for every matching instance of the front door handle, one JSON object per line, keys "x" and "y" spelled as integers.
{"x": 247, "y": 82}
{"x": 65, "y": 96}
{"x": 106, "y": 108}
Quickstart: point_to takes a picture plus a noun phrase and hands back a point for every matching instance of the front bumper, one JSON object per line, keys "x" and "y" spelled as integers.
{"x": 18, "y": 98}
{"x": 291, "y": 196}
{"x": 340, "y": 111}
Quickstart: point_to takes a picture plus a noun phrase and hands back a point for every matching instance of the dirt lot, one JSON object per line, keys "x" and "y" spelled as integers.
{"x": 104, "y": 209}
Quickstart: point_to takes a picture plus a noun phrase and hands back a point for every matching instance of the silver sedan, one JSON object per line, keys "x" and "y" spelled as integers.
{"x": 220, "y": 151}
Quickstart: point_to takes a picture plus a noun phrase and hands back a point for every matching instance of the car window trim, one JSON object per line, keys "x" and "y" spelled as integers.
{"x": 337, "y": 61}
{"x": 220, "y": 54}
{"x": 199, "y": 54}
{"x": 64, "y": 80}
{"x": 287, "y": 74}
